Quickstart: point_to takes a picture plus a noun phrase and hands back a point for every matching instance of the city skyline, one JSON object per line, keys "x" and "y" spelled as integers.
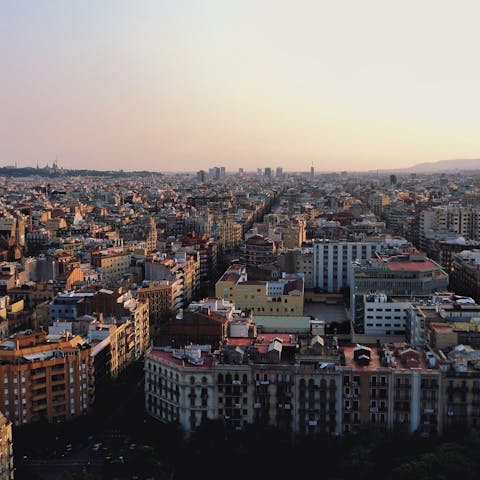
{"x": 182, "y": 86}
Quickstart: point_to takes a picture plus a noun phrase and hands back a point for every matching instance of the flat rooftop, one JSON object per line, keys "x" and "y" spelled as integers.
{"x": 230, "y": 277}
{"x": 263, "y": 340}
{"x": 412, "y": 266}
{"x": 169, "y": 359}
{"x": 375, "y": 361}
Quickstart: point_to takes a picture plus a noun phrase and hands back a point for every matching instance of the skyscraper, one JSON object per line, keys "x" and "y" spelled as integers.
{"x": 201, "y": 175}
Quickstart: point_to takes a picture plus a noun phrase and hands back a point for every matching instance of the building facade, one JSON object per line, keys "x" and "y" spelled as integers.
{"x": 324, "y": 390}
{"x": 332, "y": 262}
{"x": 45, "y": 380}
{"x": 284, "y": 296}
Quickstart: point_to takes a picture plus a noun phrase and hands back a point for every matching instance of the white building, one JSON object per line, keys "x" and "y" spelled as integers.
{"x": 332, "y": 262}
{"x": 384, "y": 316}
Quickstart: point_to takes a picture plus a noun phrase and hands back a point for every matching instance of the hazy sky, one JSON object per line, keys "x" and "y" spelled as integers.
{"x": 184, "y": 85}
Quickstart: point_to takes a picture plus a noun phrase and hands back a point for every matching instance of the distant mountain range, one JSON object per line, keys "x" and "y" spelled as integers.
{"x": 441, "y": 166}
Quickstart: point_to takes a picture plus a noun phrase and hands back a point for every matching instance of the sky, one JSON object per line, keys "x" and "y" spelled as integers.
{"x": 186, "y": 85}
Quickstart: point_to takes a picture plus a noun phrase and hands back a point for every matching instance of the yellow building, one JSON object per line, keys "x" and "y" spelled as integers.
{"x": 280, "y": 297}
{"x": 228, "y": 234}
{"x": 119, "y": 351}
{"x": 6, "y": 449}
{"x": 112, "y": 264}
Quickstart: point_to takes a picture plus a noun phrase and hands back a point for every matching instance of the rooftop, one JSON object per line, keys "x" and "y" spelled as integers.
{"x": 413, "y": 266}
{"x": 166, "y": 356}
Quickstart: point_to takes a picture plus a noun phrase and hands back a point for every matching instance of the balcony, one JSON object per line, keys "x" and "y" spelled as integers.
{"x": 38, "y": 386}
{"x": 40, "y": 396}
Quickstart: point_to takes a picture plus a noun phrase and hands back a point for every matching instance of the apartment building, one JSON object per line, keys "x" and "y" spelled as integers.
{"x": 164, "y": 297}
{"x": 112, "y": 264}
{"x": 289, "y": 232}
{"x": 281, "y": 297}
{"x": 378, "y": 201}
{"x": 297, "y": 384}
{"x": 393, "y": 387}
{"x": 119, "y": 306}
{"x": 203, "y": 322}
{"x": 185, "y": 267}
{"x": 299, "y": 260}
{"x": 228, "y": 233}
{"x": 461, "y": 389}
{"x": 258, "y": 250}
{"x": 452, "y": 218}
{"x": 45, "y": 378}
{"x": 207, "y": 251}
{"x": 465, "y": 277}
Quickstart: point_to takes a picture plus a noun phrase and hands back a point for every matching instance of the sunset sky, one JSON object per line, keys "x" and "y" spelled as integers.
{"x": 183, "y": 85}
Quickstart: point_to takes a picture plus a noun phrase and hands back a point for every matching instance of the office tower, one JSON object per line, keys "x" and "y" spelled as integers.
{"x": 332, "y": 262}
{"x": 214, "y": 173}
